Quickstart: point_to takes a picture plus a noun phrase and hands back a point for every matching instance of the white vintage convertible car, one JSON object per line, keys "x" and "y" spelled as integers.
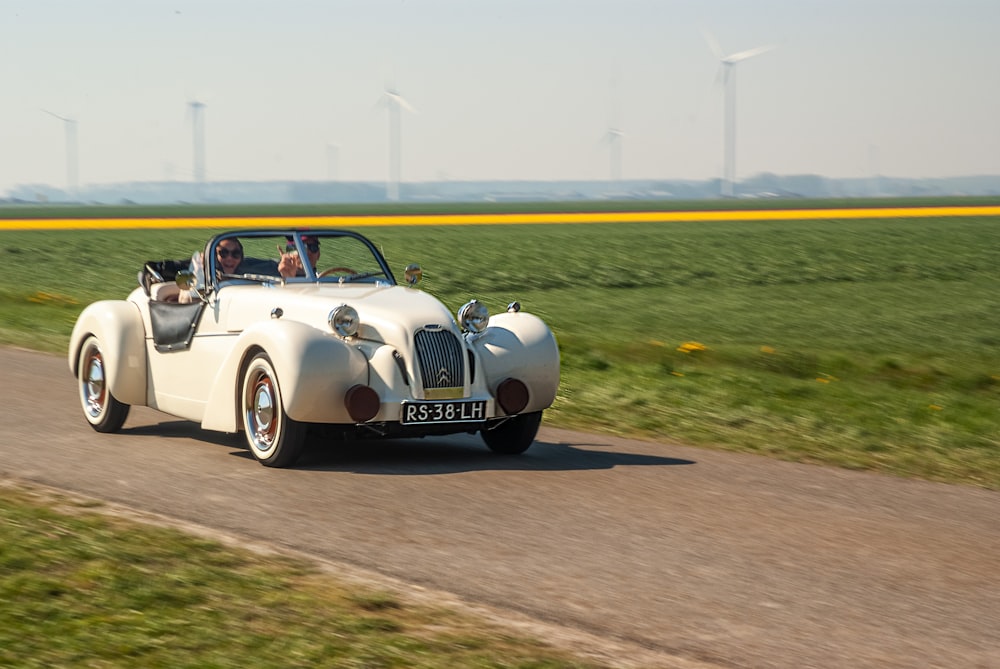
{"x": 338, "y": 343}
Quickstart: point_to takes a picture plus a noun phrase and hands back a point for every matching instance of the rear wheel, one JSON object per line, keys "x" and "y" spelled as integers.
{"x": 101, "y": 409}
{"x": 275, "y": 440}
{"x": 514, "y": 435}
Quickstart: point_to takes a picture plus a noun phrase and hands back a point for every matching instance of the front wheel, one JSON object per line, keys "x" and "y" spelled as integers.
{"x": 515, "y": 435}
{"x": 275, "y": 440}
{"x": 101, "y": 409}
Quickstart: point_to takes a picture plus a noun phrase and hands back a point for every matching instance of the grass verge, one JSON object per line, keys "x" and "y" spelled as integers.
{"x": 84, "y": 589}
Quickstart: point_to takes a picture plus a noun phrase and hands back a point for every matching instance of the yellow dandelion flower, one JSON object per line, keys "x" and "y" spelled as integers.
{"x": 822, "y": 380}
{"x": 934, "y": 407}
{"x": 766, "y": 349}
{"x": 691, "y": 346}
{"x": 42, "y": 297}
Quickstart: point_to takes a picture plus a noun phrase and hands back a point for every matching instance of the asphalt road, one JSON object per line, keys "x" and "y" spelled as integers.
{"x": 700, "y": 558}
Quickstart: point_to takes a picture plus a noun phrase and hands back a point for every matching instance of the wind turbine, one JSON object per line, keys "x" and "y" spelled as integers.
{"x": 727, "y": 71}
{"x": 72, "y": 161}
{"x": 198, "y": 133}
{"x": 614, "y": 137}
{"x": 395, "y": 104}
{"x": 332, "y": 162}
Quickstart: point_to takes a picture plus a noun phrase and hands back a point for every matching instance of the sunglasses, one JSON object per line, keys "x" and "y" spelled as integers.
{"x": 312, "y": 247}
{"x": 225, "y": 253}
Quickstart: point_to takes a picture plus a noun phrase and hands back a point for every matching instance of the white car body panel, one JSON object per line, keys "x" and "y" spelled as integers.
{"x": 119, "y": 327}
{"x": 521, "y": 345}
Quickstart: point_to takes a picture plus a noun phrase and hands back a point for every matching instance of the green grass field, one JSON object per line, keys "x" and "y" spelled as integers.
{"x": 868, "y": 344}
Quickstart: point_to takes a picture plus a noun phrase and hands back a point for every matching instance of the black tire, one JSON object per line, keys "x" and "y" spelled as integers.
{"x": 101, "y": 409}
{"x": 515, "y": 435}
{"x": 274, "y": 439}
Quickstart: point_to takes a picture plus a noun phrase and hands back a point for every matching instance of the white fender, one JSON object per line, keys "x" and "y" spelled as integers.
{"x": 315, "y": 371}
{"x": 520, "y": 345}
{"x": 117, "y": 324}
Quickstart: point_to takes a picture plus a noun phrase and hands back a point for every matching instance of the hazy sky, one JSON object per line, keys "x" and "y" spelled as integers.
{"x": 509, "y": 89}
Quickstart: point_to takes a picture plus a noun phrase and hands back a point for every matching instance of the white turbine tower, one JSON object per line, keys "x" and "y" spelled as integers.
{"x": 727, "y": 65}
{"x": 198, "y": 132}
{"x": 72, "y": 161}
{"x": 332, "y": 162}
{"x": 614, "y": 137}
{"x": 395, "y": 103}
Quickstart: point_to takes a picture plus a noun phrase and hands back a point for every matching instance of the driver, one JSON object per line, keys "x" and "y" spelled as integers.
{"x": 291, "y": 264}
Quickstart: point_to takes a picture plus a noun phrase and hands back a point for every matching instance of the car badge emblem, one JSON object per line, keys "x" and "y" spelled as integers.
{"x": 443, "y": 377}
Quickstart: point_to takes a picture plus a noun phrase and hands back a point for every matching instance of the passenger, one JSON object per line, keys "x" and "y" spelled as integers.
{"x": 229, "y": 255}
{"x": 229, "y": 259}
{"x": 291, "y": 264}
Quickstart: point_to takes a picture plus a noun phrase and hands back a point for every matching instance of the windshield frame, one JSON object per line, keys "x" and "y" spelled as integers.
{"x": 293, "y": 236}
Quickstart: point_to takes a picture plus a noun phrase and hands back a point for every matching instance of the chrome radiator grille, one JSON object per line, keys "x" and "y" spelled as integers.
{"x": 441, "y": 357}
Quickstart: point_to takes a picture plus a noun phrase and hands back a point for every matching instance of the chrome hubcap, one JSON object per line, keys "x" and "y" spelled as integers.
{"x": 94, "y": 388}
{"x": 261, "y": 414}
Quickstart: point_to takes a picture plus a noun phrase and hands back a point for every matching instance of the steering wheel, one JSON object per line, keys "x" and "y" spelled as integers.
{"x": 337, "y": 270}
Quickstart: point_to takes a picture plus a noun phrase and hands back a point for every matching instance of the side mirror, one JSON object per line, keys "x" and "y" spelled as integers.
{"x": 186, "y": 280}
{"x": 413, "y": 274}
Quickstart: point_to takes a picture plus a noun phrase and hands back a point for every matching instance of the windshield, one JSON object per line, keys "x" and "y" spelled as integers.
{"x": 296, "y": 256}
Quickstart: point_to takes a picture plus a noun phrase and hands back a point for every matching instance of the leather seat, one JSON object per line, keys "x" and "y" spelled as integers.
{"x": 167, "y": 291}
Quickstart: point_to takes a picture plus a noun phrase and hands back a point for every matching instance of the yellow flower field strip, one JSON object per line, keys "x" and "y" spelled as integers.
{"x": 496, "y": 219}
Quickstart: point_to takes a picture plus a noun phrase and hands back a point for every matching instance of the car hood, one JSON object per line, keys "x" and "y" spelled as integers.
{"x": 388, "y": 314}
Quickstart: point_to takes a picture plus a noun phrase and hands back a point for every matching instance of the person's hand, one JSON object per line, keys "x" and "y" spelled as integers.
{"x": 290, "y": 264}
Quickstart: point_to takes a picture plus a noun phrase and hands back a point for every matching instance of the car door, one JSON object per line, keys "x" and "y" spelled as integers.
{"x": 181, "y": 374}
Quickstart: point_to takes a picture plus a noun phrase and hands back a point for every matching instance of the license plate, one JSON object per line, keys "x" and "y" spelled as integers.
{"x": 463, "y": 411}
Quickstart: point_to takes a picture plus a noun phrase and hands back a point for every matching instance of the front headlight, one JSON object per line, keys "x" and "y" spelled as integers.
{"x": 474, "y": 316}
{"x": 344, "y": 321}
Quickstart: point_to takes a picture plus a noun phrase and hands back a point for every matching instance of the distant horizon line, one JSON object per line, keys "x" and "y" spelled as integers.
{"x": 382, "y": 182}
